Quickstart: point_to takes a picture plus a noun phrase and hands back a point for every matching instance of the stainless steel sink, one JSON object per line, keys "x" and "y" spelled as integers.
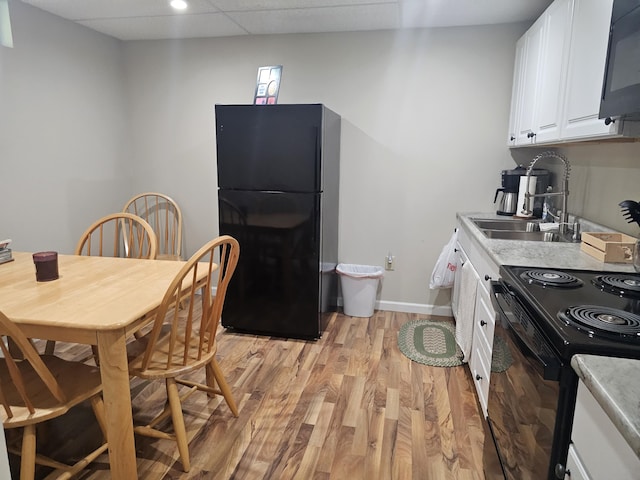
{"x": 519, "y": 235}
{"x": 508, "y": 224}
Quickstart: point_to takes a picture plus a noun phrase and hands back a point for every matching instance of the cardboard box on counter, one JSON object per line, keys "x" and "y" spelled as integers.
{"x": 611, "y": 247}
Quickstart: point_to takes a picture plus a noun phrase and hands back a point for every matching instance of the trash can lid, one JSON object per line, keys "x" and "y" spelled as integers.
{"x": 360, "y": 271}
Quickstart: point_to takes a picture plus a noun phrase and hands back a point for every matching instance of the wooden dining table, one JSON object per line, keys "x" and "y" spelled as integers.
{"x": 96, "y": 301}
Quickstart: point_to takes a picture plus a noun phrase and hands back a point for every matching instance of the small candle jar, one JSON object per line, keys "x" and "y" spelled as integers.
{"x": 46, "y": 266}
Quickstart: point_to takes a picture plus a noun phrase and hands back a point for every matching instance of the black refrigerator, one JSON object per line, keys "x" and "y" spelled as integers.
{"x": 278, "y": 184}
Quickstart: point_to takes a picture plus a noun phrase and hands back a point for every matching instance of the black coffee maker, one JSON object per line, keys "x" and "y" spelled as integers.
{"x": 510, "y": 184}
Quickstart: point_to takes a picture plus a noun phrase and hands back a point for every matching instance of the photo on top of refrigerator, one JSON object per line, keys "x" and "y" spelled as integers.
{"x": 278, "y": 188}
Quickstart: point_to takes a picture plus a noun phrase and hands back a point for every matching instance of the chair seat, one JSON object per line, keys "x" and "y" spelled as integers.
{"x": 196, "y": 356}
{"x": 79, "y": 382}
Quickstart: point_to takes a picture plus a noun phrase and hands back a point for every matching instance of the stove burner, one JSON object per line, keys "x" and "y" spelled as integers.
{"x": 619, "y": 284}
{"x": 551, "y": 278}
{"x": 597, "y": 320}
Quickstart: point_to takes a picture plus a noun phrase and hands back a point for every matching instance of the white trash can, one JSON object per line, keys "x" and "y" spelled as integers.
{"x": 359, "y": 287}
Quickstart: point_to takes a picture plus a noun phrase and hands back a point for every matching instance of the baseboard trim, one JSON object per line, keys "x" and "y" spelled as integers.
{"x": 439, "y": 310}
{"x": 405, "y": 307}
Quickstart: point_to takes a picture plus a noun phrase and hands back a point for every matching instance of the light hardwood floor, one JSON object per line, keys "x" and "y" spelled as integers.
{"x": 348, "y": 406}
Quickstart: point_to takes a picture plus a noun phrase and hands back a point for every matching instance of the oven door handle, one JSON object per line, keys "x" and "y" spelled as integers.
{"x": 549, "y": 365}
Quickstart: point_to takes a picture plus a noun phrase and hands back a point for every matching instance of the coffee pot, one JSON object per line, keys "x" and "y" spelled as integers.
{"x": 508, "y": 203}
{"x": 510, "y": 179}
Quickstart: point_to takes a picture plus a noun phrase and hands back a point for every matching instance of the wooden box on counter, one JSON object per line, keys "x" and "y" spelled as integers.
{"x": 609, "y": 247}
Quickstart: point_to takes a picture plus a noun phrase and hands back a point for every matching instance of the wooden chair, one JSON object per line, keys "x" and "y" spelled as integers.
{"x": 115, "y": 235}
{"x": 36, "y": 388}
{"x": 182, "y": 341}
{"x": 119, "y": 235}
{"x": 165, "y": 217}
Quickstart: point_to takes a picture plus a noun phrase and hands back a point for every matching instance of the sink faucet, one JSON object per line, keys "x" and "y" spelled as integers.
{"x": 564, "y": 214}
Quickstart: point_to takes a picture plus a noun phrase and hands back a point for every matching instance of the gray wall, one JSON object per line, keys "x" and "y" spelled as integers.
{"x": 63, "y": 130}
{"x": 424, "y": 119}
{"x": 86, "y": 121}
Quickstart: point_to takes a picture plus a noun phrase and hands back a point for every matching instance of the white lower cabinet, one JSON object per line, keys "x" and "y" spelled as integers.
{"x": 482, "y": 346}
{"x": 575, "y": 468}
{"x": 598, "y": 450}
{"x": 461, "y": 259}
{"x": 483, "y": 316}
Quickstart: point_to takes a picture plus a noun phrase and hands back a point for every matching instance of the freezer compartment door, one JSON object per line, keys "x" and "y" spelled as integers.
{"x": 276, "y": 287}
{"x": 275, "y": 147}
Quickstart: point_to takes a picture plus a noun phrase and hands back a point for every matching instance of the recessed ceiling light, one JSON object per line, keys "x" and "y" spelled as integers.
{"x": 178, "y": 4}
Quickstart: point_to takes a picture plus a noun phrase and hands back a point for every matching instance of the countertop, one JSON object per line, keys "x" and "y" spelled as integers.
{"x": 538, "y": 254}
{"x": 614, "y": 382}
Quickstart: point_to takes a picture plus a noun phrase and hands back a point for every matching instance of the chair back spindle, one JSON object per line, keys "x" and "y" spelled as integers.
{"x": 119, "y": 235}
{"x": 191, "y": 338}
{"x": 165, "y": 217}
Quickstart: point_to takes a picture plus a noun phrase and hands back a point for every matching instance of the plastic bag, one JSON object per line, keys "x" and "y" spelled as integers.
{"x": 359, "y": 271}
{"x": 445, "y": 269}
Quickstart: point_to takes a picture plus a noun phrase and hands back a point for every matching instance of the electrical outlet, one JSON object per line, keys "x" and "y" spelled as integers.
{"x": 389, "y": 262}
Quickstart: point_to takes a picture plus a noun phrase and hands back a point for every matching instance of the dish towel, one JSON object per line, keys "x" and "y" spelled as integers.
{"x": 466, "y": 309}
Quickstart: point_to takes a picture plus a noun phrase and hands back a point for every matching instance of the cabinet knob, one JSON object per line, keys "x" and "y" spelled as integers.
{"x": 456, "y": 250}
{"x": 561, "y": 471}
{"x": 512, "y": 138}
{"x": 482, "y": 323}
{"x": 487, "y": 278}
{"x": 531, "y": 135}
{"x": 478, "y": 377}
{"x": 609, "y": 121}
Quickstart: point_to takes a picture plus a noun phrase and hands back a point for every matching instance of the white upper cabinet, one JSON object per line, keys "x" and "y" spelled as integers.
{"x": 558, "y": 75}
{"x": 587, "y": 58}
{"x": 553, "y": 70}
{"x": 530, "y": 66}
{"x": 516, "y": 92}
{"x": 539, "y": 77}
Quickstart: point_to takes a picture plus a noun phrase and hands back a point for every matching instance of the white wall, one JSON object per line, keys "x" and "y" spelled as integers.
{"x": 602, "y": 175}
{"x": 424, "y": 119}
{"x": 63, "y": 131}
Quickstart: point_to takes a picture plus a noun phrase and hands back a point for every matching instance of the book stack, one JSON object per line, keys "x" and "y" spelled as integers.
{"x": 5, "y": 251}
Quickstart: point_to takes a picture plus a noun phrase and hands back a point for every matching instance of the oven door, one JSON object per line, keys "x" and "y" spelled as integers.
{"x": 523, "y": 394}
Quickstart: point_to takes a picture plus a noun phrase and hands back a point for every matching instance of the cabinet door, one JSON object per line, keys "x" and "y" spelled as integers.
{"x": 461, "y": 258}
{"x": 482, "y": 347}
{"x": 575, "y": 468}
{"x": 586, "y": 62}
{"x": 603, "y": 451}
{"x": 528, "y": 89}
{"x": 552, "y": 79}
{"x": 516, "y": 92}
{"x": 540, "y": 77}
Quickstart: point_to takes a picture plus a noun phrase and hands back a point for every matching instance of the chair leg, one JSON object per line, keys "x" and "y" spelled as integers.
{"x": 50, "y": 347}
{"x": 96, "y": 357}
{"x": 178, "y": 423}
{"x": 28, "y": 458}
{"x": 98, "y": 410}
{"x": 214, "y": 369}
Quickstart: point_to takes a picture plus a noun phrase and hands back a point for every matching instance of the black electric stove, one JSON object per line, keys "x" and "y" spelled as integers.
{"x": 581, "y": 311}
{"x": 545, "y": 317}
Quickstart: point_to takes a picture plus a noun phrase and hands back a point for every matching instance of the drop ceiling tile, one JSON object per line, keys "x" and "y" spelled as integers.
{"x": 329, "y": 19}
{"x": 438, "y": 13}
{"x": 90, "y": 9}
{"x": 244, "y": 5}
{"x": 155, "y": 28}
